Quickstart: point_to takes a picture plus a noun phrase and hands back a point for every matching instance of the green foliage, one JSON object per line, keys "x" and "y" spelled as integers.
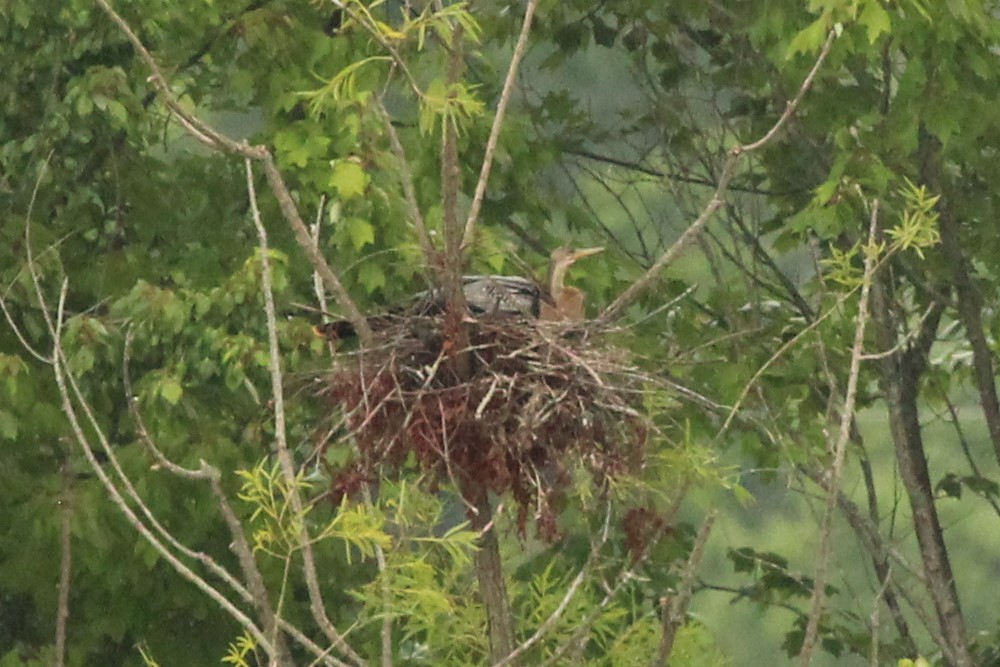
{"x": 917, "y": 228}
{"x": 244, "y": 646}
{"x": 617, "y": 134}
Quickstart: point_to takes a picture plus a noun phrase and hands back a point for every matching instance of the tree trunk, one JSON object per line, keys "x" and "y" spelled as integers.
{"x": 492, "y": 587}
{"x": 899, "y": 378}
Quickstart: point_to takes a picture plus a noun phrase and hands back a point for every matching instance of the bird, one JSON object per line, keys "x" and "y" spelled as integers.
{"x": 495, "y": 295}
{"x": 490, "y": 295}
{"x": 566, "y": 303}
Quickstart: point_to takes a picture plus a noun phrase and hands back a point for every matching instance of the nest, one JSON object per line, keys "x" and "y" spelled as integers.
{"x": 512, "y": 412}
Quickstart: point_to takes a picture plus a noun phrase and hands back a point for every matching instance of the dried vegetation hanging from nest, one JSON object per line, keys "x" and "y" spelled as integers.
{"x": 539, "y": 396}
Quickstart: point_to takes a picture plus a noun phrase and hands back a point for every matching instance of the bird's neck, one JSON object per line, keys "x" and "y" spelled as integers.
{"x": 556, "y": 280}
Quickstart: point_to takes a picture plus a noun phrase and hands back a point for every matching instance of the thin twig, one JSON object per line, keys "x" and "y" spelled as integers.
{"x": 624, "y": 577}
{"x": 3, "y": 305}
{"x": 204, "y": 472}
{"x": 409, "y": 189}
{"x": 571, "y": 591}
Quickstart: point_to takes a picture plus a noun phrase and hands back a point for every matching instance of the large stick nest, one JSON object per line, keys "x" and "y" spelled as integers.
{"x": 533, "y": 398}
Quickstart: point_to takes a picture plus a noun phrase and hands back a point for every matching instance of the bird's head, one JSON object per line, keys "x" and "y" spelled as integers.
{"x": 565, "y": 256}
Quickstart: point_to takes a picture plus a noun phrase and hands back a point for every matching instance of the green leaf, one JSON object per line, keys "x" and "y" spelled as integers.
{"x": 810, "y": 38}
{"x": 371, "y": 276}
{"x": 171, "y": 390}
{"x": 8, "y": 425}
{"x": 348, "y": 178}
{"x": 875, "y": 20}
{"x": 361, "y": 231}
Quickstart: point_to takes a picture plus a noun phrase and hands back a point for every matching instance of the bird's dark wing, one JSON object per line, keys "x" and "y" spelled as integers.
{"x": 502, "y": 295}
{"x": 484, "y": 295}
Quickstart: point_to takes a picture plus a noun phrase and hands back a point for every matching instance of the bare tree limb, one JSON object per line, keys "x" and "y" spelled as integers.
{"x": 571, "y": 591}
{"x": 970, "y": 312}
{"x": 612, "y": 590}
{"x": 68, "y": 388}
{"x": 640, "y": 168}
{"x": 65, "y": 562}
{"x": 899, "y": 379}
{"x": 492, "y": 587}
{"x": 409, "y": 189}
{"x": 839, "y": 448}
{"x": 256, "y": 591}
{"x": 284, "y": 455}
{"x": 498, "y": 118}
{"x": 617, "y": 307}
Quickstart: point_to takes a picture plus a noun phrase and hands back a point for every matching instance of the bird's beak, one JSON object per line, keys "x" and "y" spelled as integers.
{"x": 586, "y": 252}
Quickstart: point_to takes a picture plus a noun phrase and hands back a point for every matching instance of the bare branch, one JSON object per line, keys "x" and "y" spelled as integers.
{"x": 409, "y": 189}
{"x": 571, "y": 591}
{"x": 200, "y": 130}
{"x": 68, "y": 388}
{"x": 257, "y": 590}
{"x": 291, "y": 213}
{"x": 65, "y": 562}
{"x": 617, "y": 307}
{"x": 839, "y": 448}
{"x": 281, "y": 443}
{"x": 612, "y": 590}
{"x": 491, "y": 143}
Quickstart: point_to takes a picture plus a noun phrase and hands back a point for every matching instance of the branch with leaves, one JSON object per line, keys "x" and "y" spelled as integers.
{"x": 216, "y": 140}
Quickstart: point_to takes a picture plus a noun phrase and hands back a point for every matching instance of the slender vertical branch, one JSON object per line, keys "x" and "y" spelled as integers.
{"x": 571, "y": 592}
{"x": 285, "y": 460}
{"x": 492, "y": 587}
{"x": 839, "y": 448}
{"x": 970, "y": 312}
{"x": 578, "y": 639}
{"x": 65, "y": 562}
{"x": 674, "y": 614}
{"x": 901, "y": 367}
{"x": 451, "y": 175}
{"x": 409, "y": 189}
{"x": 498, "y": 118}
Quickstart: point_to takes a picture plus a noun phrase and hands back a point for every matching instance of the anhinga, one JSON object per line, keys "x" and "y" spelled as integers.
{"x": 500, "y": 295}
{"x": 566, "y": 303}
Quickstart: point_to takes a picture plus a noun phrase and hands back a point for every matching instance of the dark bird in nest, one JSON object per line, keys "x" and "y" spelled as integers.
{"x": 494, "y": 295}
